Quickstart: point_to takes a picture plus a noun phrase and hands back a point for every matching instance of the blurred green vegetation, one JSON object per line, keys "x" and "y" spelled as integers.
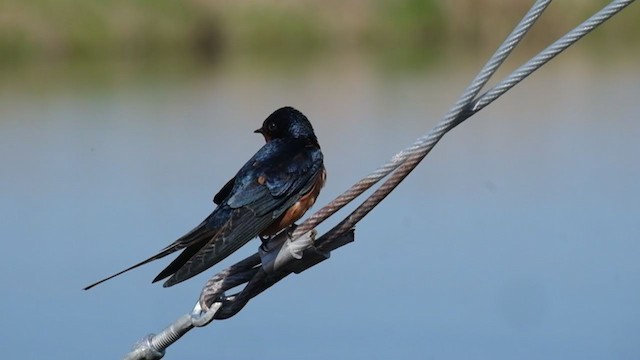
{"x": 57, "y": 29}
{"x": 52, "y": 30}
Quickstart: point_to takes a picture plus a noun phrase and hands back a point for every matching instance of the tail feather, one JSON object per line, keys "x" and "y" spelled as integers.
{"x": 202, "y": 261}
{"x": 192, "y": 241}
{"x": 179, "y": 261}
{"x": 236, "y": 232}
{"x": 166, "y": 251}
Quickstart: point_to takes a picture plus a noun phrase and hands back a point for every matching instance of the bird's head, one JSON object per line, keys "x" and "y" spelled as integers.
{"x": 287, "y": 122}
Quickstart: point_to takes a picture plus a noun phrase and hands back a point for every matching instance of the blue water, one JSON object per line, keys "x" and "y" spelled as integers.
{"x": 517, "y": 238}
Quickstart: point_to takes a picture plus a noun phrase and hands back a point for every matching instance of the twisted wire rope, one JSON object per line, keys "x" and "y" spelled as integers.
{"x": 421, "y": 147}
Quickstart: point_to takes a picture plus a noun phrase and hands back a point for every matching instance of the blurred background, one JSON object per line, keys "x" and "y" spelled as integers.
{"x": 518, "y": 237}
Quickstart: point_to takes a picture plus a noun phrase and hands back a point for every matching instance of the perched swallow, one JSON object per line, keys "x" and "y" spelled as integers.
{"x": 269, "y": 193}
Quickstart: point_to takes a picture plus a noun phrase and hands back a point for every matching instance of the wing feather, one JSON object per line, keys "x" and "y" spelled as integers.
{"x": 254, "y": 205}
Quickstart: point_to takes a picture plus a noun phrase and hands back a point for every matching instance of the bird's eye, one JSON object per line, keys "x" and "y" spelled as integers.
{"x": 272, "y": 126}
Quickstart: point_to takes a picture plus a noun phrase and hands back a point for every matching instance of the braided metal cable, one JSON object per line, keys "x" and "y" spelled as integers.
{"x": 425, "y": 143}
{"x": 547, "y": 54}
{"x": 258, "y": 280}
{"x": 458, "y": 113}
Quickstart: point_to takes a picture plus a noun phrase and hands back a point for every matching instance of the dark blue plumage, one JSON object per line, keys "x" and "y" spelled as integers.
{"x": 270, "y": 192}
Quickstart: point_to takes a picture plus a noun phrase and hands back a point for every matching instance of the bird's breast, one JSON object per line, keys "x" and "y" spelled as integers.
{"x": 299, "y": 208}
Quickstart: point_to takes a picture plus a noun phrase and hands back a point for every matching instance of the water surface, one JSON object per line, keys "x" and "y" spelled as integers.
{"x": 518, "y": 237}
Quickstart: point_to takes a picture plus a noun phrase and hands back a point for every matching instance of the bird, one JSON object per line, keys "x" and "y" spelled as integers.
{"x": 268, "y": 194}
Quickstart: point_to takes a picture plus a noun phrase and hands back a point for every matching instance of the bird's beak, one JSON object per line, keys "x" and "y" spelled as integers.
{"x": 258, "y": 131}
